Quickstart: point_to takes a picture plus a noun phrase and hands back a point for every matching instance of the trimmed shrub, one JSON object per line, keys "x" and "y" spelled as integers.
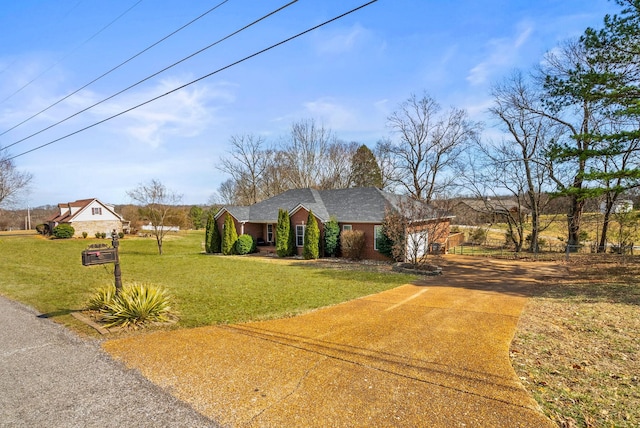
{"x": 311, "y": 249}
{"x": 244, "y": 244}
{"x": 135, "y": 306}
{"x": 385, "y": 244}
{"x": 331, "y": 237}
{"x": 42, "y": 228}
{"x": 84, "y": 235}
{"x": 63, "y": 231}
{"x": 283, "y": 229}
{"x": 98, "y": 235}
{"x": 229, "y": 236}
{"x": 352, "y": 244}
{"x": 120, "y": 235}
{"x": 208, "y": 233}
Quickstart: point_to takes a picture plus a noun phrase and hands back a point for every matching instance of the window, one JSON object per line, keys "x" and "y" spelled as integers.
{"x": 300, "y": 235}
{"x": 96, "y": 211}
{"x": 346, "y": 227}
{"x": 377, "y": 234}
{"x": 269, "y": 233}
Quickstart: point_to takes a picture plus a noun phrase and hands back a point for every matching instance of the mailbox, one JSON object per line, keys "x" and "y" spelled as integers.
{"x": 98, "y": 256}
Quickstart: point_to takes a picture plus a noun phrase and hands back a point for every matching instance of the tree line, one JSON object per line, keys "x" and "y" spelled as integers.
{"x": 570, "y": 130}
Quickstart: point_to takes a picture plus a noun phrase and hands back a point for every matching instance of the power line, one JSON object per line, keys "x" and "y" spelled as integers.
{"x": 152, "y": 75}
{"x": 70, "y": 52}
{"x": 117, "y": 66}
{"x": 198, "y": 79}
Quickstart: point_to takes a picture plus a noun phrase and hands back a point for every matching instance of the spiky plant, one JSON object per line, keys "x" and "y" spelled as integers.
{"x": 137, "y": 305}
{"x": 101, "y": 297}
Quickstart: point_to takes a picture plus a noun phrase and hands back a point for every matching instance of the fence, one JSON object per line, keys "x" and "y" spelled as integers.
{"x": 548, "y": 251}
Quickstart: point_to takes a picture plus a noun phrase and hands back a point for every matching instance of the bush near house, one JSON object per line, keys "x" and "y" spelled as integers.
{"x": 331, "y": 237}
{"x": 244, "y": 244}
{"x": 311, "y": 249}
{"x": 63, "y": 231}
{"x": 229, "y": 237}
{"x": 352, "y": 244}
{"x": 283, "y": 233}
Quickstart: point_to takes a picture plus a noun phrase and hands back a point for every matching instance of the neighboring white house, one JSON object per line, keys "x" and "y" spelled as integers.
{"x": 619, "y": 207}
{"x": 90, "y": 216}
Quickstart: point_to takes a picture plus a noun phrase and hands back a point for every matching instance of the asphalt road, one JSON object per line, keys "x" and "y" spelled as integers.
{"x": 50, "y": 377}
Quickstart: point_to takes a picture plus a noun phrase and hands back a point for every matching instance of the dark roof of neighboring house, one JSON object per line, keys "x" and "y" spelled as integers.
{"x": 355, "y": 205}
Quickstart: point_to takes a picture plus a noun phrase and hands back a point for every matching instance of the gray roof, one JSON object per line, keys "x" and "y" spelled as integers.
{"x": 354, "y": 205}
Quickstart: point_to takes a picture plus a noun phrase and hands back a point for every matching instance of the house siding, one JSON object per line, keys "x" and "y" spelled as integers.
{"x": 369, "y": 252}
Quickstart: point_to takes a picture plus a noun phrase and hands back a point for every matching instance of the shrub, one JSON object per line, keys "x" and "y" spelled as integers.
{"x": 120, "y": 235}
{"x": 63, "y": 231}
{"x": 352, "y": 244}
{"x": 283, "y": 232}
{"x": 101, "y": 298}
{"x": 384, "y": 244}
{"x": 311, "y": 249}
{"x": 98, "y": 235}
{"x": 229, "y": 236}
{"x": 331, "y": 237}
{"x": 479, "y": 236}
{"x": 42, "y": 228}
{"x": 84, "y": 235}
{"x": 212, "y": 235}
{"x": 103, "y": 235}
{"x": 136, "y": 305}
{"x": 244, "y": 244}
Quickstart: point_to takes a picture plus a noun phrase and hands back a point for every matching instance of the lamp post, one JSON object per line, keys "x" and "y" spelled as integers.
{"x": 117, "y": 273}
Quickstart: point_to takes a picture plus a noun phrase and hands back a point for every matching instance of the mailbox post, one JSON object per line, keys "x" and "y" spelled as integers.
{"x": 116, "y": 271}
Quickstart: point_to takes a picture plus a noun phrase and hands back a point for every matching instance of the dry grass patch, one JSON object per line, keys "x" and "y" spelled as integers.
{"x": 577, "y": 348}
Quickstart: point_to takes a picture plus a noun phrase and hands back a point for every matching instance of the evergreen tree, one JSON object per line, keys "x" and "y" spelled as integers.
{"x": 216, "y": 240}
{"x": 195, "y": 216}
{"x": 311, "y": 249}
{"x": 208, "y": 234}
{"x": 229, "y": 237}
{"x": 331, "y": 237}
{"x": 365, "y": 171}
{"x": 282, "y": 234}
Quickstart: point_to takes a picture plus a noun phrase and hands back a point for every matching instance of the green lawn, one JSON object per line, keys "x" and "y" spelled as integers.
{"x": 48, "y": 275}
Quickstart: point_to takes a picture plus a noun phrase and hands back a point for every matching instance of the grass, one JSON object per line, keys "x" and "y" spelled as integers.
{"x": 48, "y": 275}
{"x": 577, "y": 348}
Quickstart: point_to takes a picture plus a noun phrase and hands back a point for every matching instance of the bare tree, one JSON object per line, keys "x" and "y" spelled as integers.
{"x": 12, "y": 181}
{"x": 429, "y": 145}
{"x": 158, "y": 205}
{"x": 305, "y": 153}
{"x": 519, "y": 163}
{"x": 337, "y": 165}
{"x": 247, "y": 164}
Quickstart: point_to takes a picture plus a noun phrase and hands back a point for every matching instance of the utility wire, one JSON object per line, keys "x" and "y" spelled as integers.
{"x": 153, "y": 75}
{"x": 117, "y": 66}
{"x": 197, "y": 80}
{"x": 72, "y": 51}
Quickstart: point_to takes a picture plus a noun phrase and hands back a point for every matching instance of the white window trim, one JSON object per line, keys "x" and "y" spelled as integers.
{"x": 347, "y": 227}
{"x": 300, "y": 235}
{"x": 269, "y": 226}
{"x": 376, "y": 229}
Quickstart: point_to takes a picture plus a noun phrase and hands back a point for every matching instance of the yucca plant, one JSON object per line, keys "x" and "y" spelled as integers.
{"x": 101, "y": 298}
{"x": 136, "y": 305}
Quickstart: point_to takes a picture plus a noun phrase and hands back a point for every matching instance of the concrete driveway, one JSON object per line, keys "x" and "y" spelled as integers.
{"x": 433, "y": 354}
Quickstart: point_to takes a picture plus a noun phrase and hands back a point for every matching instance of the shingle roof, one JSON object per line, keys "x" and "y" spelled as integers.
{"x": 354, "y": 205}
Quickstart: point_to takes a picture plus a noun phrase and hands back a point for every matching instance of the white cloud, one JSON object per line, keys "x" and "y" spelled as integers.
{"x": 342, "y": 40}
{"x": 502, "y": 53}
{"x": 185, "y": 113}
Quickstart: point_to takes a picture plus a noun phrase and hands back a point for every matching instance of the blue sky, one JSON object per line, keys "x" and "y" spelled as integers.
{"x": 349, "y": 75}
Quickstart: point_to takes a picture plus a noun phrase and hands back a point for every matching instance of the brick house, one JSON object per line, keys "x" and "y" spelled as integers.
{"x": 362, "y": 208}
{"x": 89, "y": 215}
